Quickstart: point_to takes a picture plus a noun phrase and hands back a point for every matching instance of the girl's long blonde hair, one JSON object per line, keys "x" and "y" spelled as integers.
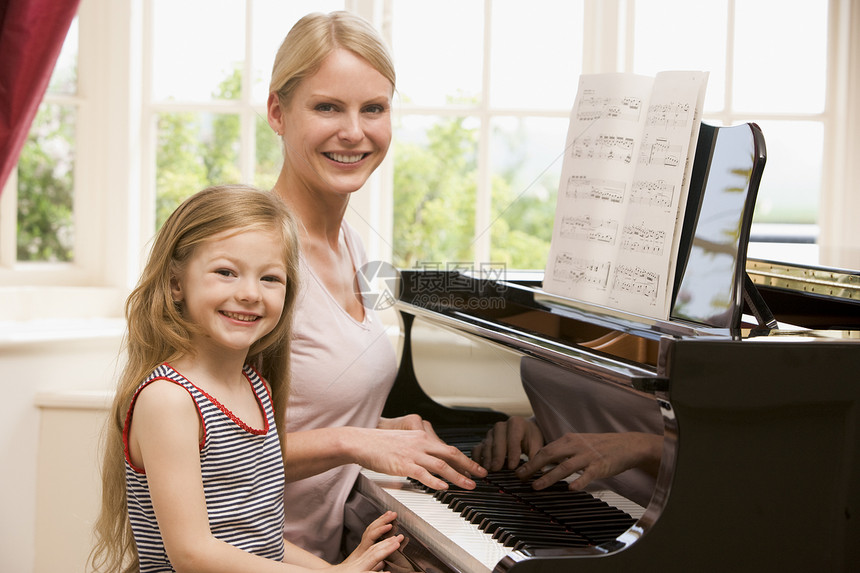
{"x": 157, "y": 332}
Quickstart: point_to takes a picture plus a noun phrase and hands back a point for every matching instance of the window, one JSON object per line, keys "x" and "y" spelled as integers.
{"x": 73, "y": 186}
{"x": 155, "y": 108}
{"x": 759, "y": 72}
{"x": 206, "y": 102}
{"x": 38, "y": 223}
{"x": 477, "y": 147}
{"x": 500, "y": 114}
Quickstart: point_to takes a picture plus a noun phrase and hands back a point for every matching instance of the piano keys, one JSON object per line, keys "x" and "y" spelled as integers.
{"x": 469, "y": 534}
{"x": 502, "y": 519}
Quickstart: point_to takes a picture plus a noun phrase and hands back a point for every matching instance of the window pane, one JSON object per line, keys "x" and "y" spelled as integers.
{"x": 791, "y": 182}
{"x": 536, "y": 59}
{"x": 435, "y": 178}
{"x": 269, "y": 155}
{"x": 526, "y": 163}
{"x": 195, "y": 150}
{"x": 780, "y": 61}
{"x": 46, "y": 187}
{"x": 683, "y": 35}
{"x": 272, "y": 20}
{"x": 190, "y": 62}
{"x": 64, "y": 79}
{"x": 428, "y": 42}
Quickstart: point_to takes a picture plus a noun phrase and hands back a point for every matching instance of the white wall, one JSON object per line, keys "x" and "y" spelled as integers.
{"x": 35, "y": 358}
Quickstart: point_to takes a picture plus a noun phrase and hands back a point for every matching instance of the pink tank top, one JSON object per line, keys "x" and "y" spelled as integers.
{"x": 342, "y": 371}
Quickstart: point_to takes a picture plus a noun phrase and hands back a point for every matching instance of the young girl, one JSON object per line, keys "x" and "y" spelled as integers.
{"x": 193, "y": 470}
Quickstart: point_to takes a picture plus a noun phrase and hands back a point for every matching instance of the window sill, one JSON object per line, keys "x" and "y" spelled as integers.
{"x": 38, "y": 303}
{"x": 15, "y": 334}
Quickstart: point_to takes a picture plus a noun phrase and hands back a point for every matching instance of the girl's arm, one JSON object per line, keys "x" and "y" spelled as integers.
{"x": 164, "y": 439}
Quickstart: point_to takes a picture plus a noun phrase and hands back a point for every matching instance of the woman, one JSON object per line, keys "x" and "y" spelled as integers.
{"x": 330, "y": 102}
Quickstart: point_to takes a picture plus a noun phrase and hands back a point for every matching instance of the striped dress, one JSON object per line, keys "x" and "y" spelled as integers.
{"x": 243, "y": 478}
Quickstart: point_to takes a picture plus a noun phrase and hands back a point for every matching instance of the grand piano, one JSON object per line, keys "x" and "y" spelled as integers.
{"x": 754, "y": 376}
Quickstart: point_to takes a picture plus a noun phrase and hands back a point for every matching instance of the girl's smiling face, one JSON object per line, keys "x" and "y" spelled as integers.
{"x": 233, "y": 288}
{"x": 337, "y": 126}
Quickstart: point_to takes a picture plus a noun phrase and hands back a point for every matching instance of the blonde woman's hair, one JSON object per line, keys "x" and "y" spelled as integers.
{"x": 158, "y": 332}
{"x": 317, "y": 35}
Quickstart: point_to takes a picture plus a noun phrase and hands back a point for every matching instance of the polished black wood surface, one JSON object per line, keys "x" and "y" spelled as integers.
{"x": 760, "y": 470}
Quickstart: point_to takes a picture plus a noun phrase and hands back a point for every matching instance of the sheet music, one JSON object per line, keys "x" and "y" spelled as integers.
{"x": 623, "y": 186}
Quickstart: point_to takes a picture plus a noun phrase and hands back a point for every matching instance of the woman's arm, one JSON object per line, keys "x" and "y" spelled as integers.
{"x": 414, "y": 453}
{"x": 164, "y": 440}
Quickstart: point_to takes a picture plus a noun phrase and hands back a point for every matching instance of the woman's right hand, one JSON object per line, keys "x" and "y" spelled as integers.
{"x": 416, "y": 453}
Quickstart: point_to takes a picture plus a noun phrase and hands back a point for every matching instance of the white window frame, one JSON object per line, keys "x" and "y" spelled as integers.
{"x": 114, "y": 179}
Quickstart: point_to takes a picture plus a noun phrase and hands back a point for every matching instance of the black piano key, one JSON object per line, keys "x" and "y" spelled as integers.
{"x": 488, "y": 497}
{"x": 534, "y": 546}
{"x": 477, "y": 514}
{"x": 504, "y": 531}
{"x": 515, "y": 519}
{"x": 492, "y": 524}
{"x": 531, "y": 539}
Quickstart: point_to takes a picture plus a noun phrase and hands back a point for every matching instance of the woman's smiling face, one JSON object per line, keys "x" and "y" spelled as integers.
{"x": 337, "y": 126}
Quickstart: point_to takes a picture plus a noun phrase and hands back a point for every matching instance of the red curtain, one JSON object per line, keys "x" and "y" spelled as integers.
{"x": 31, "y": 37}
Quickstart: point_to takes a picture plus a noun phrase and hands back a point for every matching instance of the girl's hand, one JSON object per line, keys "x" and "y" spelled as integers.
{"x": 379, "y": 527}
{"x": 370, "y": 553}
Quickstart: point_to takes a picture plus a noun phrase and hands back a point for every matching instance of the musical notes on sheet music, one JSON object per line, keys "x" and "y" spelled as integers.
{"x": 622, "y": 189}
{"x": 582, "y": 188}
{"x": 639, "y": 238}
{"x": 660, "y": 193}
{"x": 669, "y": 114}
{"x": 605, "y": 148}
{"x": 583, "y": 228}
{"x": 593, "y": 106}
{"x": 636, "y": 281}
{"x": 581, "y": 271}
{"x": 660, "y": 152}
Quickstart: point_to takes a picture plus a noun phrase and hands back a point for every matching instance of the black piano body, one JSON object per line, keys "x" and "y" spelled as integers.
{"x": 761, "y": 461}
{"x": 759, "y": 396}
